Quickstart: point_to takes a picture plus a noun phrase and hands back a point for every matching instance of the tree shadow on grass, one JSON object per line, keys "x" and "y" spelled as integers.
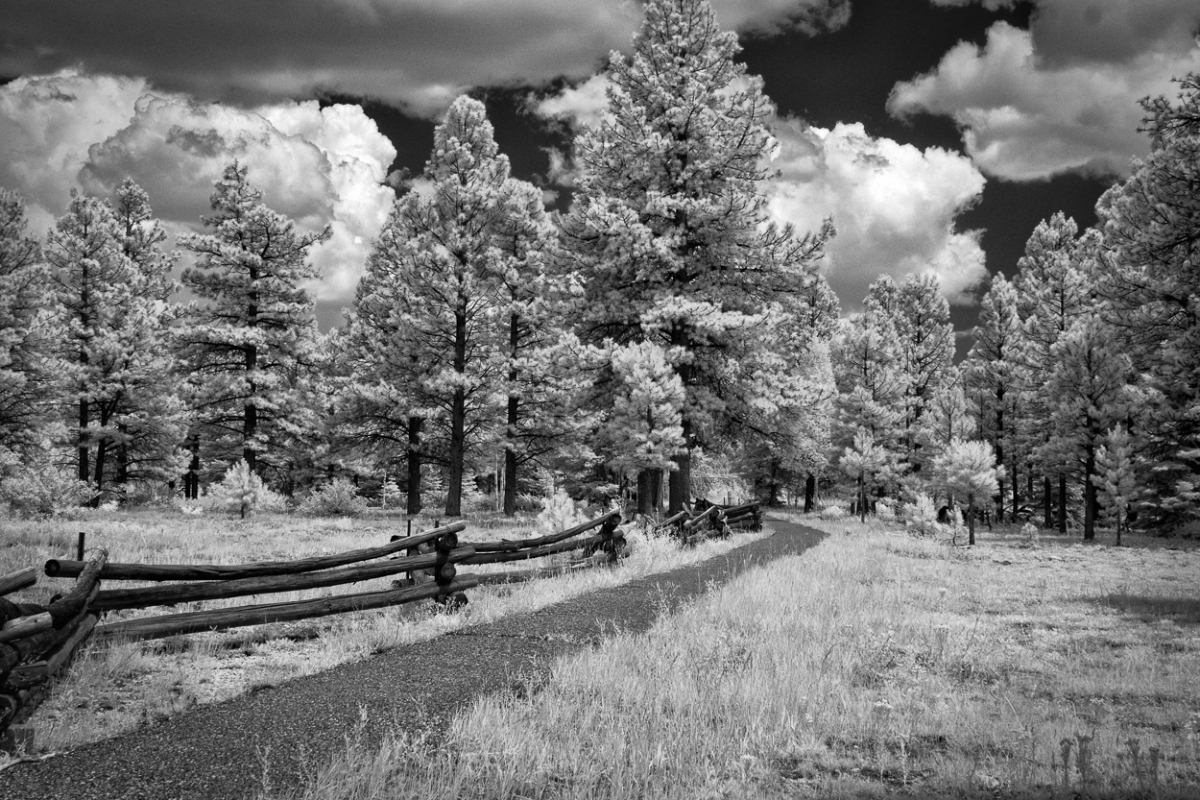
{"x": 1180, "y": 610}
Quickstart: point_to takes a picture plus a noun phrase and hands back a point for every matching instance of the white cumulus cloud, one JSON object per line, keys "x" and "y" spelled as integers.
{"x": 1062, "y": 96}
{"x": 894, "y": 206}
{"x": 319, "y": 166}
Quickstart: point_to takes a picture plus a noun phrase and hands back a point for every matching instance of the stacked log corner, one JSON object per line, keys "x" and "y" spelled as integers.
{"x": 37, "y": 641}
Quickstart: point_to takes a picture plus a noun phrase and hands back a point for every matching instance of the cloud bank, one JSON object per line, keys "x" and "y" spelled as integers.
{"x": 318, "y": 166}
{"x": 418, "y": 54}
{"x": 1062, "y": 96}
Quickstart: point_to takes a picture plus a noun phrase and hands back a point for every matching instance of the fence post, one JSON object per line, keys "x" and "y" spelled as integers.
{"x": 79, "y": 548}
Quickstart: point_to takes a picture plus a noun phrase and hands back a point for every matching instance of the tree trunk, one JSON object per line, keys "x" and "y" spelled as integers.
{"x": 679, "y": 483}
{"x": 1091, "y": 500}
{"x": 645, "y": 492}
{"x": 84, "y": 472}
{"x": 192, "y": 489}
{"x": 1016, "y": 495}
{"x": 971, "y": 519}
{"x": 414, "y": 466}
{"x": 514, "y": 409}
{"x": 458, "y": 415}
{"x": 810, "y": 492}
{"x": 1062, "y": 503}
{"x": 1048, "y": 521}
{"x": 862, "y": 499}
{"x": 98, "y": 471}
{"x": 123, "y": 455}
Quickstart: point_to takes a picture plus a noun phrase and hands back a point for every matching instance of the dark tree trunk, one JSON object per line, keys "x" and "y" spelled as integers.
{"x": 514, "y": 411}
{"x": 970, "y": 519}
{"x": 458, "y": 415}
{"x": 123, "y": 455}
{"x": 1091, "y": 499}
{"x": 192, "y": 481}
{"x": 1016, "y": 495}
{"x": 645, "y": 492}
{"x": 98, "y": 471}
{"x": 1047, "y": 510}
{"x": 810, "y": 492}
{"x": 414, "y": 466}
{"x": 84, "y": 473}
{"x": 510, "y": 483}
{"x": 1062, "y": 503}
{"x": 250, "y": 412}
{"x": 679, "y": 483}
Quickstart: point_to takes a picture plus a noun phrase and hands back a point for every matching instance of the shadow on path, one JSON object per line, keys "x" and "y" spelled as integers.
{"x": 218, "y": 751}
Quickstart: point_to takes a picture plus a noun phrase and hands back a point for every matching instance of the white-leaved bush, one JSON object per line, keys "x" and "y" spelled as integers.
{"x": 558, "y": 513}
{"x": 338, "y": 498}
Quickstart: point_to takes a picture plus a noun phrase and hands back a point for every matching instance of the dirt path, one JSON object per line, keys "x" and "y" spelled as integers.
{"x": 221, "y": 750}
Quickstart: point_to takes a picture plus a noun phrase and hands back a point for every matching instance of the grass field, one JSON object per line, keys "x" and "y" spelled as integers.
{"x": 878, "y": 664}
{"x": 115, "y": 687}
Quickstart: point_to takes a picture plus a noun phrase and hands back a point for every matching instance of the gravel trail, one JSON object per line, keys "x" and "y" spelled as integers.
{"x": 222, "y": 750}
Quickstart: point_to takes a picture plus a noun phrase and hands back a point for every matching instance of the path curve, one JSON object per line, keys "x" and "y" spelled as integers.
{"x": 218, "y": 751}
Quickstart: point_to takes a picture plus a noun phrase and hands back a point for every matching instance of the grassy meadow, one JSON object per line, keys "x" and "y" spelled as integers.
{"x": 115, "y": 686}
{"x": 878, "y": 664}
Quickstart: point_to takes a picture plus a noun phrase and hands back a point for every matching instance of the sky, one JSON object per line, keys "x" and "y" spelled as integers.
{"x": 936, "y": 133}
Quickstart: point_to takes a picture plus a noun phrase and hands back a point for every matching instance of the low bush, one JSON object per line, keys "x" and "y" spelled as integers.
{"x": 338, "y": 498}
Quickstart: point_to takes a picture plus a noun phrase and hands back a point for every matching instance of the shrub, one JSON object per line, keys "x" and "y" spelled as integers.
{"x": 921, "y": 516}
{"x": 243, "y": 492}
{"x": 558, "y": 513}
{"x": 40, "y": 488}
{"x": 338, "y": 498}
{"x": 832, "y": 512}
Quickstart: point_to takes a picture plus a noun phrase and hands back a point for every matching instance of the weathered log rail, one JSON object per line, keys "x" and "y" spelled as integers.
{"x": 38, "y": 641}
{"x": 712, "y": 521}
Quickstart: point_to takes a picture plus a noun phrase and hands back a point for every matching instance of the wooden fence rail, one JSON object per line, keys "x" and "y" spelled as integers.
{"x": 37, "y": 641}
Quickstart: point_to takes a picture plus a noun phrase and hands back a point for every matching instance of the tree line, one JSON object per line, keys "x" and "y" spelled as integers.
{"x": 662, "y": 316}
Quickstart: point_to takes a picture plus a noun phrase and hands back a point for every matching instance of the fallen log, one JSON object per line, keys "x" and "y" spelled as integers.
{"x": 508, "y": 545}
{"x": 214, "y": 572}
{"x": 15, "y": 581}
{"x": 113, "y": 599}
{"x": 221, "y": 619}
{"x": 673, "y": 520}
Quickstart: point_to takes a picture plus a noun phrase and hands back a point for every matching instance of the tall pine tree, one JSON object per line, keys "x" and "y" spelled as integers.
{"x": 253, "y": 322}
{"x": 669, "y": 223}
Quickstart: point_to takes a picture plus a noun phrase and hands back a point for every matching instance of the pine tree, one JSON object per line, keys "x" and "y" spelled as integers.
{"x": 871, "y": 387}
{"x": 253, "y": 323}
{"x": 1114, "y": 462}
{"x": 543, "y": 378}
{"x": 864, "y": 461}
{"x": 968, "y": 468}
{"x": 1052, "y": 292}
{"x": 1089, "y": 384}
{"x": 994, "y": 379}
{"x": 669, "y": 225}
{"x": 1151, "y": 228}
{"x": 433, "y": 310}
{"x": 644, "y": 429}
{"x": 926, "y": 340}
{"x": 27, "y": 385}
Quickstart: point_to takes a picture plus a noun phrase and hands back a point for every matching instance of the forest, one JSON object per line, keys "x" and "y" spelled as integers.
{"x": 659, "y": 332}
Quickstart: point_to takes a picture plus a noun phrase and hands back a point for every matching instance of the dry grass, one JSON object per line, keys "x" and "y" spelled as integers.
{"x": 116, "y": 686}
{"x": 877, "y": 664}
